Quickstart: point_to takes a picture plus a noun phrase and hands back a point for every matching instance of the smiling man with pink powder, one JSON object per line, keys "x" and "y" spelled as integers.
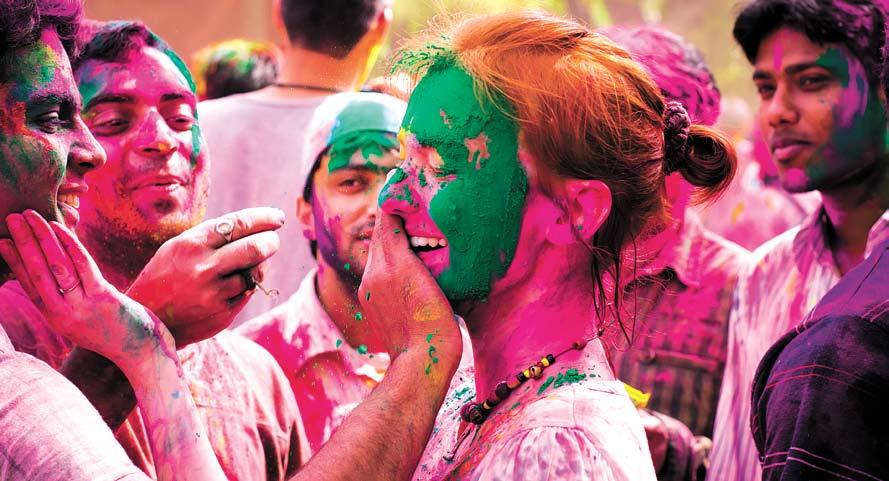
{"x": 816, "y": 68}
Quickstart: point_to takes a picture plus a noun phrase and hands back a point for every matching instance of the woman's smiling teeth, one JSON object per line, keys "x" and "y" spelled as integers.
{"x": 69, "y": 199}
{"x": 428, "y": 242}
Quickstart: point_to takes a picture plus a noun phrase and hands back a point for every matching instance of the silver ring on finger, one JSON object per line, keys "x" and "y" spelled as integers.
{"x": 65, "y": 290}
{"x": 225, "y": 227}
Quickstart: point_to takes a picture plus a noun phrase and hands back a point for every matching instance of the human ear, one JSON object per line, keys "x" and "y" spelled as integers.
{"x": 587, "y": 204}
{"x": 306, "y": 217}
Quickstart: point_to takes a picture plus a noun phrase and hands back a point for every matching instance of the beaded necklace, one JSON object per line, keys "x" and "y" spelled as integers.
{"x": 476, "y": 413}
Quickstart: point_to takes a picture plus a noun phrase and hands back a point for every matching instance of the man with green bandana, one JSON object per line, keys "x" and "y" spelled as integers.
{"x": 816, "y": 70}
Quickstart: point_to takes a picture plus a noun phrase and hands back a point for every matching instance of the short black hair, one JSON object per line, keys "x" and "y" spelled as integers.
{"x": 330, "y": 27}
{"x": 22, "y": 21}
{"x": 859, "y": 25}
{"x": 113, "y": 41}
{"x": 238, "y": 66}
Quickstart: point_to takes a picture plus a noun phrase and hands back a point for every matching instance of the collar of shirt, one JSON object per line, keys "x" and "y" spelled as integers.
{"x": 675, "y": 250}
{"x": 319, "y": 334}
{"x": 812, "y": 237}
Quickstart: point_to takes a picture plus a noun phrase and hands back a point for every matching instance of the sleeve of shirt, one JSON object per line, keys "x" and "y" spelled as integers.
{"x": 49, "y": 431}
{"x": 530, "y": 455}
{"x": 823, "y": 405}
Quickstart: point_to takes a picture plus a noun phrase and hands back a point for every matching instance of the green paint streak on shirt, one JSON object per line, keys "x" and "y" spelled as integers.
{"x": 517, "y": 403}
{"x": 545, "y": 385}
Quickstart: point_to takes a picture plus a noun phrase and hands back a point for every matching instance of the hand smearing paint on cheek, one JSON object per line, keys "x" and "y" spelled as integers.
{"x": 461, "y": 155}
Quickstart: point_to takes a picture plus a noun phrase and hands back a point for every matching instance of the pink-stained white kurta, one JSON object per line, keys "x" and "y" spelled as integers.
{"x": 241, "y": 395}
{"x": 585, "y": 431}
{"x": 49, "y": 431}
{"x": 328, "y": 376}
{"x": 786, "y": 279}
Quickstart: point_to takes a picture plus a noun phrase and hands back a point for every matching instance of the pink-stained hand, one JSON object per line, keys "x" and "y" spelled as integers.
{"x": 406, "y": 307}
{"x": 198, "y": 281}
{"x": 64, "y": 282}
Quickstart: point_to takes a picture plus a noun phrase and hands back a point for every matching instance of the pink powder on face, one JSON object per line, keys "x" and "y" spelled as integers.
{"x": 478, "y": 150}
{"x": 853, "y": 102}
{"x": 778, "y": 53}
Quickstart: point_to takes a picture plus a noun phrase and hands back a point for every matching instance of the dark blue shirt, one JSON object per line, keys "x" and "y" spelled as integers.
{"x": 821, "y": 393}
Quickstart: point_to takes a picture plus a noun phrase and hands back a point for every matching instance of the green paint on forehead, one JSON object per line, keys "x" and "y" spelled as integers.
{"x": 480, "y": 209}
{"x": 369, "y": 144}
{"x": 834, "y": 60}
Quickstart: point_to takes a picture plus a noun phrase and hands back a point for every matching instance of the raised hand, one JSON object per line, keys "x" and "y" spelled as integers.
{"x": 198, "y": 281}
{"x": 407, "y": 308}
{"x": 64, "y": 282}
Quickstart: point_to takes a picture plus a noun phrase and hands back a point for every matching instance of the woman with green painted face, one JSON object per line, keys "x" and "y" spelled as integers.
{"x": 535, "y": 153}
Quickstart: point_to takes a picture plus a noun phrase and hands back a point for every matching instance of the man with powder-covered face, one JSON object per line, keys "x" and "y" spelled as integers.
{"x": 139, "y": 102}
{"x": 816, "y": 68}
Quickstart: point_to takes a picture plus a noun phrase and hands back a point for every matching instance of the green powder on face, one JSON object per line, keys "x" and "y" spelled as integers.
{"x": 359, "y": 316}
{"x": 367, "y": 296}
{"x": 347, "y": 266}
{"x": 834, "y": 61}
{"x": 480, "y": 211}
{"x": 197, "y": 138}
{"x": 397, "y": 231}
{"x": 362, "y": 349}
{"x": 367, "y": 143}
{"x": 422, "y": 179}
{"x": 428, "y": 369}
{"x": 339, "y": 342}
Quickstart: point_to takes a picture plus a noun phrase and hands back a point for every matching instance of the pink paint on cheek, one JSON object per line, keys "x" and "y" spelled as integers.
{"x": 478, "y": 150}
{"x": 853, "y": 102}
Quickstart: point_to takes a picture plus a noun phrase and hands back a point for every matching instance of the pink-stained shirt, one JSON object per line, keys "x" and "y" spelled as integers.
{"x": 584, "y": 431}
{"x": 243, "y": 399}
{"x": 328, "y": 376}
{"x": 682, "y": 301}
{"x": 785, "y": 280}
{"x": 752, "y": 212}
{"x": 49, "y": 431}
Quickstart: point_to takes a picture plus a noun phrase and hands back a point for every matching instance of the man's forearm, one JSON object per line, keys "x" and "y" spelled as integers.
{"x": 103, "y": 383}
{"x": 384, "y": 437}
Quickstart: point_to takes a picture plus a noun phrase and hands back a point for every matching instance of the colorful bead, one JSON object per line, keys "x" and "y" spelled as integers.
{"x": 521, "y": 377}
{"x": 493, "y": 400}
{"x": 551, "y": 358}
{"x": 512, "y": 384}
{"x": 536, "y": 371}
{"x": 544, "y": 362}
{"x": 487, "y": 407}
{"x": 502, "y": 391}
{"x": 473, "y": 413}
{"x": 527, "y": 373}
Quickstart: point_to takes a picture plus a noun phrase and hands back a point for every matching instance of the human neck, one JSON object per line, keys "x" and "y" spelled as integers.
{"x": 542, "y": 314}
{"x": 120, "y": 260}
{"x": 339, "y": 298}
{"x": 852, "y": 211}
{"x": 305, "y": 67}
